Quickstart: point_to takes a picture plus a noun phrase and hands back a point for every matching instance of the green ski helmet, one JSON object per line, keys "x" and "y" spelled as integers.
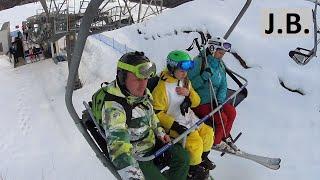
{"x": 179, "y": 60}
{"x": 136, "y": 63}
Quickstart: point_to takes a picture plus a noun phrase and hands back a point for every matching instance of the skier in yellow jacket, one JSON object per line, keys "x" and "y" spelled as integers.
{"x": 173, "y": 97}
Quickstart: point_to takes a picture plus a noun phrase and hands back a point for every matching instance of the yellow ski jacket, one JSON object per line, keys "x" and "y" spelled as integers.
{"x": 166, "y": 102}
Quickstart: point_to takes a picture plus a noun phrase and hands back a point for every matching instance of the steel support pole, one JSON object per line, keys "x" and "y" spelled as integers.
{"x": 315, "y": 26}
{"x": 236, "y": 21}
{"x": 89, "y": 14}
{"x": 45, "y": 7}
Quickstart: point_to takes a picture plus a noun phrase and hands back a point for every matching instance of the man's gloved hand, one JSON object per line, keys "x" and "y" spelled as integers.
{"x": 184, "y": 106}
{"x": 206, "y": 74}
{"x": 178, "y": 127}
{"x": 164, "y": 138}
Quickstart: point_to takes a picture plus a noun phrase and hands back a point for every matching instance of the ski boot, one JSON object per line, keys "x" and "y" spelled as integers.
{"x": 197, "y": 172}
{"x": 223, "y": 146}
{"x": 206, "y": 163}
{"x": 231, "y": 144}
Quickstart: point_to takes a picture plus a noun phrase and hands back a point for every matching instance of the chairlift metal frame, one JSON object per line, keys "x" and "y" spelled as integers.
{"x": 83, "y": 33}
{"x": 302, "y": 56}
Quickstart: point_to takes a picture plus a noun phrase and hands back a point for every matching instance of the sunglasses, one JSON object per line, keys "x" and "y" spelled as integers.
{"x": 142, "y": 71}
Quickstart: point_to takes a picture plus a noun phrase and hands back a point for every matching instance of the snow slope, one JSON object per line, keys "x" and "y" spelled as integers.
{"x": 40, "y": 141}
{"x": 18, "y": 14}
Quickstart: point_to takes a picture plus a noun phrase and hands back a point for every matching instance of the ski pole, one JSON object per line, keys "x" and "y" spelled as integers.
{"x": 216, "y": 101}
{"x": 211, "y": 91}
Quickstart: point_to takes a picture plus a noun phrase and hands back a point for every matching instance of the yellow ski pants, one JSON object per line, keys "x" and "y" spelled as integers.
{"x": 198, "y": 141}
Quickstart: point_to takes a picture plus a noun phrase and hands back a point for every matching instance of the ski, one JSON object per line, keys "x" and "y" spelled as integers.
{"x": 271, "y": 163}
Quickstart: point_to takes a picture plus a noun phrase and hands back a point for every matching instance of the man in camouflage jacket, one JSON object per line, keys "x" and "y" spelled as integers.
{"x": 132, "y": 127}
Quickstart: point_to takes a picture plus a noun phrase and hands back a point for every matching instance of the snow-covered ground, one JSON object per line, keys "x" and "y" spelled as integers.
{"x": 38, "y": 139}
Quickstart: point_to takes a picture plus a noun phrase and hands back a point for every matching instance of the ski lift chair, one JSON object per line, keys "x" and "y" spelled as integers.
{"x": 86, "y": 125}
{"x": 97, "y": 132}
{"x": 301, "y": 55}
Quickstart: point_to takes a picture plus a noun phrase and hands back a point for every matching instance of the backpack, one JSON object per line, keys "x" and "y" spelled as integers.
{"x": 97, "y": 102}
{"x": 100, "y": 96}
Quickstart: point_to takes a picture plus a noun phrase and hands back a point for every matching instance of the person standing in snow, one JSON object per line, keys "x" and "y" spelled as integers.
{"x": 25, "y": 32}
{"x": 131, "y": 125}
{"x": 173, "y": 98}
{"x": 209, "y": 80}
{"x": 32, "y": 55}
{"x": 13, "y": 52}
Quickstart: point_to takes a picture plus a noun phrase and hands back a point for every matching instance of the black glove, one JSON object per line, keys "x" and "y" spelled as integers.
{"x": 178, "y": 127}
{"x": 209, "y": 122}
{"x": 206, "y": 74}
{"x": 184, "y": 106}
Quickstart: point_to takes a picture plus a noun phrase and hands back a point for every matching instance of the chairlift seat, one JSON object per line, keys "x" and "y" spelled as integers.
{"x": 301, "y": 55}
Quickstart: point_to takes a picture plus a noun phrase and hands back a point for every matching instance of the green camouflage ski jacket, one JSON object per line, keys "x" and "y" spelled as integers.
{"x": 133, "y": 136}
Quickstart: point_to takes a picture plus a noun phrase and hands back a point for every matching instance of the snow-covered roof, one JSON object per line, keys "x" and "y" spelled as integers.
{"x": 6, "y": 4}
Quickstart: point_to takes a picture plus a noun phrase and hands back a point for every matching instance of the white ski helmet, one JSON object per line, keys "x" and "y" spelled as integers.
{"x": 218, "y": 43}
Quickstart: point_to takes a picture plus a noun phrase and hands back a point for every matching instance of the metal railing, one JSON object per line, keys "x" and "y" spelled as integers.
{"x": 121, "y": 48}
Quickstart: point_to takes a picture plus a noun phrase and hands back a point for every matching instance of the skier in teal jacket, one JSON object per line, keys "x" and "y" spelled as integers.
{"x": 208, "y": 78}
{"x": 216, "y": 72}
